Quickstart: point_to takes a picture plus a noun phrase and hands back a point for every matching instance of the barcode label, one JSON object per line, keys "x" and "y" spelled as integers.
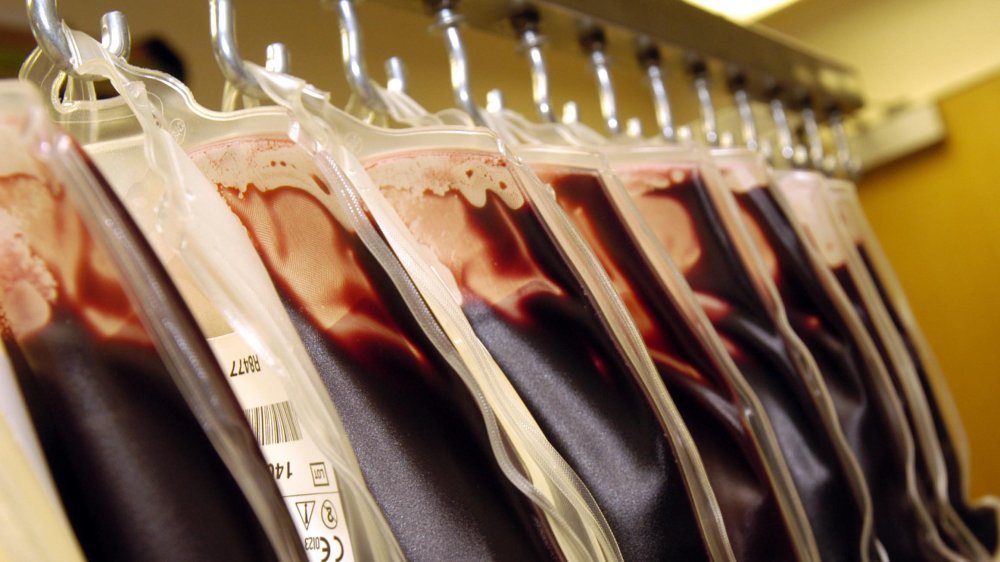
{"x": 273, "y": 423}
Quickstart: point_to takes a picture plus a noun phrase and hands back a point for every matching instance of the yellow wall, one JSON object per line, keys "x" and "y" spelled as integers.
{"x": 937, "y": 214}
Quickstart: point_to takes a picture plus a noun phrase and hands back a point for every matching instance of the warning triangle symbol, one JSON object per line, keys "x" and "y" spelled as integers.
{"x": 305, "y": 510}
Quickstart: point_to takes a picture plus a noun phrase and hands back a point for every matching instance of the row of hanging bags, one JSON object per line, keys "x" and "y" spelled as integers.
{"x": 802, "y": 195}
{"x": 563, "y": 167}
{"x": 399, "y": 383}
{"x": 925, "y": 396}
{"x": 745, "y": 165}
{"x": 980, "y": 515}
{"x": 686, "y": 349}
{"x": 954, "y": 529}
{"x": 740, "y": 304}
{"x": 805, "y": 381}
{"x": 149, "y": 451}
{"x": 730, "y": 429}
{"x": 454, "y": 203}
{"x": 304, "y": 444}
{"x": 575, "y": 185}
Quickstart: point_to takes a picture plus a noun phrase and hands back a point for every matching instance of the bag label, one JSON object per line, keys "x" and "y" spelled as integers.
{"x": 304, "y": 476}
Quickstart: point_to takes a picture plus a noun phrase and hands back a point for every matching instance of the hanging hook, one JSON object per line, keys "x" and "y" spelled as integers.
{"x": 786, "y": 145}
{"x": 351, "y": 52}
{"x": 278, "y": 58}
{"x": 684, "y": 135}
{"x": 448, "y": 20}
{"x": 844, "y": 159}
{"x": 115, "y": 35}
{"x": 525, "y": 24}
{"x": 813, "y": 137}
{"x": 649, "y": 58}
{"x": 49, "y": 32}
{"x": 494, "y": 101}
{"x": 570, "y": 113}
{"x": 708, "y": 122}
{"x": 227, "y": 55}
{"x": 593, "y": 41}
{"x": 633, "y": 128}
{"x": 748, "y": 126}
{"x": 396, "y": 74}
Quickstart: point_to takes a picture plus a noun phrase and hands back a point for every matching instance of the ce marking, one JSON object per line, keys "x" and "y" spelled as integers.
{"x": 326, "y": 551}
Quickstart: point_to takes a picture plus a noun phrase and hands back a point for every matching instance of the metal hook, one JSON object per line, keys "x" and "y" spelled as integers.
{"x": 844, "y": 159}
{"x": 786, "y": 145}
{"x": 396, "y": 74}
{"x": 115, "y": 35}
{"x": 50, "y": 34}
{"x": 223, "y": 26}
{"x": 684, "y": 135}
{"x": 447, "y": 20}
{"x": 649, "y": 57}
{"x": 351, "y": 52}
{"x": 494, "y": 101}
{"x": 813, "y": 138}
{"x": 748, "y": 127}
{"x": 525, "y": 24}
{"x": 570, "y": 113}
{"x": 633, "y": 128}
{"x": 48, "y": 29}
{"x": 592, "y": 41}
{"x": 801, "y": 157}
{"x": 278, "y": 58}
{"x": 701, "y": 87}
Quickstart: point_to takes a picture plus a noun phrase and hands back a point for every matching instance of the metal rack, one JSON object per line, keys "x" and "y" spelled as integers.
{"x": 687, "y": 36}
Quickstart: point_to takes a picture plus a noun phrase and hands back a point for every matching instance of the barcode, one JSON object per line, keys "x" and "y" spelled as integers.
{"x": 273, "y": 423}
